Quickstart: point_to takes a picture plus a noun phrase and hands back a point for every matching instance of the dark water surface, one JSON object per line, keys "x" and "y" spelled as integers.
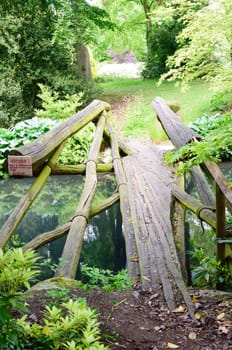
{"x": 103, "y": 245}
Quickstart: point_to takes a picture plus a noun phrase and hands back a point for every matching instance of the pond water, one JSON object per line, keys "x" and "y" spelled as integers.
{"x": 103, "y": 246}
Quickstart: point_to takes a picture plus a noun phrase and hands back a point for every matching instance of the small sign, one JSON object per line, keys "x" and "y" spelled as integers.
{"x": 20, "y": 166}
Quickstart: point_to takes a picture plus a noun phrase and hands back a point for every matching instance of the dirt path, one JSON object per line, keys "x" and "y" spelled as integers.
{"x": 140, "y": 320}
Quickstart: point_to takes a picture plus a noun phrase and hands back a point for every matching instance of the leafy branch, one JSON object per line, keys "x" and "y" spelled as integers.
{"x": 213, "y": 147}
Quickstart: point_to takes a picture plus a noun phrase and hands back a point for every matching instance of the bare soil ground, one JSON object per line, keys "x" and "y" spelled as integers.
{"x": 139, "y": 319}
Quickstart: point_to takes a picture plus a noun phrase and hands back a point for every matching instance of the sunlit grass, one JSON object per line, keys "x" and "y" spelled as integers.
{"x": 140, "y": 119}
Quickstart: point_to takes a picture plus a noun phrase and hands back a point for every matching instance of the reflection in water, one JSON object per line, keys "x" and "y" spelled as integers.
{"x": 103, "y": 246}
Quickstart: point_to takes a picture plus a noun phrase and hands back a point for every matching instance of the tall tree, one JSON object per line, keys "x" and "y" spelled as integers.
{"x": 206, "y": 46}
{"x": 38, "y": 45}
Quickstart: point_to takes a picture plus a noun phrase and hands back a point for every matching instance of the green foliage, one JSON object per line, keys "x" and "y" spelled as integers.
{"x": 222, "y": 101}
{"x": 39, "y": 44}
{"x": 205, "y": 47}
{"x": 58, "y": 295}
{"x": 20, "y": 134}
{"x": 17, "y": 269}
{"x": 208, "y": 272}
{"x": 77, "y": 147}
{"x": 106, "y": 279}
{"x": 56, "y": 108}
{"x": 128, "y": 33}
{"x": 215, "y": 144}
{"x": 73, "y": 325}
{"x": 206, "y": 123}
{"x": 162, "y": 44}
{"x": 140, "y": 119}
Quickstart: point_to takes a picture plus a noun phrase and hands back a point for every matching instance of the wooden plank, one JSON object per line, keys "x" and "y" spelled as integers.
{"x": 220, "y": 179}
{"x": 204, "y": 212}
{"x": 80, "y": 169}
{"x": 178, "y": 218}
{"x": 202, "y": 186}
{"x": 180, "y": 134}
{"x": 131, "y": 248}
{"x": 152, "y": 189}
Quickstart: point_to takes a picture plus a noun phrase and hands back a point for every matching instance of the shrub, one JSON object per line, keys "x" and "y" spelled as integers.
{"x": 106, "y": 279}
{"x": 72, "y": 326}
{"x": 17, "y": 269}
{"x": 56, "y": 108}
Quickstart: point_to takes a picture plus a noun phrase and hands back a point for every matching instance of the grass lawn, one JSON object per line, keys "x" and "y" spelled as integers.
{"x": 140, "y": 120}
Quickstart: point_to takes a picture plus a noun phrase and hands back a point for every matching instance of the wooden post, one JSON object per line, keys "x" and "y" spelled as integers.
{"x": 178, "y": 227}
{"x": 220, "y": 224}
{"x": 72, "y": 249}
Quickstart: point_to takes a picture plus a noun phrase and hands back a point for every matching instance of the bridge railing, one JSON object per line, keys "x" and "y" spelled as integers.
{"x": 180, "y": 134}
{"x": 44, "y": 153}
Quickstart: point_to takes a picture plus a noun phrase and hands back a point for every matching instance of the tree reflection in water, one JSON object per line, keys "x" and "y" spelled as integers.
{"x": 103, "y": 245}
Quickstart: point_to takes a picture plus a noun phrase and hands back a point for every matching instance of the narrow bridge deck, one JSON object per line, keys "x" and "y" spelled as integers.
{"x": 149, "y": 184}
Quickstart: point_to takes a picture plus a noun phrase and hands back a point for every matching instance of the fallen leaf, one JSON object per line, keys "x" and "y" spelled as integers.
{"x": 180, "y": 308}
{"x": 157, "y": 328}
{"x": 197, "y": 315}
{"x": 223, "y": 329}
{"x": 194, "y": 299}
{"x": 192, "y": 335}
{"x": 172, "y": 346}
{"x": 221, "y": 316}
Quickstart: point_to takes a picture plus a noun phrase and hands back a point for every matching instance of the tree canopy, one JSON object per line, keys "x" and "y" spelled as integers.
{"x": 38, "y": 44}
{"x": 205, "y": 46}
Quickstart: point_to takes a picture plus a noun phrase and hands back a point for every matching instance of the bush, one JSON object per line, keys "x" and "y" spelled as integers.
{"x": 56, "y": 108}
{"x": 17, "y": 269}
{"x": 162, "y": 44}
{"x": 222, "y": 101}
{"x": 72, "y": 326}
{"x": 106, "y": 279}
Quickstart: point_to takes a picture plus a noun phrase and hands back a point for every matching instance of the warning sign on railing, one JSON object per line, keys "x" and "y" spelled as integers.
{"x": 20, "y": 165}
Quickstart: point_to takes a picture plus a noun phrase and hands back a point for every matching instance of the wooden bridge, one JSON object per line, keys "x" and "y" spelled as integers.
{"x": 149, "y": 195}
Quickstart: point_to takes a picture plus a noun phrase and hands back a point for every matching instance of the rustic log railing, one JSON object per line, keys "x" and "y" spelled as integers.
{"x": 44, "y": 153}
{"x": 180, "y": 134}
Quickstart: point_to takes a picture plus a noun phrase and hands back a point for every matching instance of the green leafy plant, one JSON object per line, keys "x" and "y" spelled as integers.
{"x": 56, "y": 108}
{"x": 212, "y": 147}
{"x": 211, "y": 273}
{"x": 58, "y": 294}
{"x": 20, "y": 134}
{"x": 222, "y": 101}
{"x": 17, "y": 269}
{"x": 73, "y": 325}
{"x": 77, "y": 147}
{"x": 106, "y": 279}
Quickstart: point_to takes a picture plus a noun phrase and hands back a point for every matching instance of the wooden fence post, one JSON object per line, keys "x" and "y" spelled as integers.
{"x": 220, "y": 224}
